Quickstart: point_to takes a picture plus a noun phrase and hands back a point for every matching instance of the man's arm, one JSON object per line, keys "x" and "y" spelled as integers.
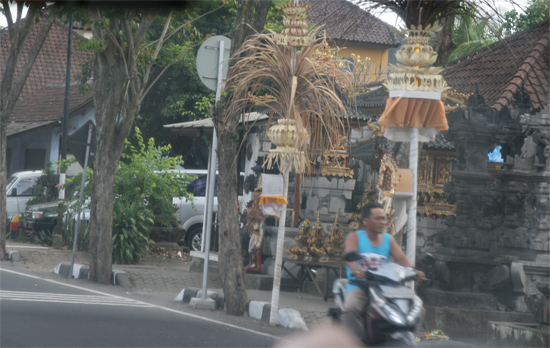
{"x": 352, "y": 241}
{"x": 401, "y": 258}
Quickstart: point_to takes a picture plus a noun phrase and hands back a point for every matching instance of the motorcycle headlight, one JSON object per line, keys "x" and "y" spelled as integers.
{"x": 379, "y": 301}
{"x": 414, "y": 315}
{"x": 395, "y": 317}
{"x": 386, "y": 310}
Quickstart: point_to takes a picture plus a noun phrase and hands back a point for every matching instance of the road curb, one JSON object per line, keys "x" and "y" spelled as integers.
{"x": 83, "y": 272}
{"x": 188, "y": 294}
{"x": 286, "y": 317}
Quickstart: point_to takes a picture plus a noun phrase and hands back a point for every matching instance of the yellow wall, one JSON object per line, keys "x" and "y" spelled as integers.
{"x": 378, "y": 55}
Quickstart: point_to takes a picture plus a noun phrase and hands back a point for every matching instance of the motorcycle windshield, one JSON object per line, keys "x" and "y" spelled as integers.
{"x": 391, "y": 272}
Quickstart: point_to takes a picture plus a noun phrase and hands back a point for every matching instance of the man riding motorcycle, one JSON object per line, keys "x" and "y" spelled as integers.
{"x": 377, "y": 247}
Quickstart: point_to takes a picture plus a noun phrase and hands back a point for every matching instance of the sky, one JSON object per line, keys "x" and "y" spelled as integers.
{"x": 391, "y": 18}
{"x": 501, "y": 5}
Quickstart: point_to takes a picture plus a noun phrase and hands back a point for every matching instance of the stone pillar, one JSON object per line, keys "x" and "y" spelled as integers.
{"x": 473, "y": 135}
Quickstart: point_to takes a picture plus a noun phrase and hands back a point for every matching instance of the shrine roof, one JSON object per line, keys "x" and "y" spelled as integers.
{"x": 47, "y": 103}
{"x": 439, "y": 143}
{"x": 347, "y": 22}
{"x": 502, "y": 68}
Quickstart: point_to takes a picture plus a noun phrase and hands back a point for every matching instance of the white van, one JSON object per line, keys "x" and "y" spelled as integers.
{"x": 20, "y": 188}
{"x": 191, "y": 213}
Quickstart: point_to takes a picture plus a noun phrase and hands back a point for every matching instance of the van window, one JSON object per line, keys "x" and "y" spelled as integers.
{"x": 198, "y": 186}
{"x": 11, "y": 180}
{"x": 27, "y": 187}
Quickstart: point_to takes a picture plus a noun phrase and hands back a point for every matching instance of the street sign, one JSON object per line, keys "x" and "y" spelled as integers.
{"x": 77, "y": 143}
{"x": 207, "y": 60}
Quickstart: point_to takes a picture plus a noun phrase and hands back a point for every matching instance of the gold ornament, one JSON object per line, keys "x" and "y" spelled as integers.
{"x": 289, "y": 140}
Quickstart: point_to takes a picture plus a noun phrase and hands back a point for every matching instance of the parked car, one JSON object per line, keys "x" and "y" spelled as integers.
{"x": 43, "y": 217}
{"x": 191, "y": 212}
{"x": 20, "y": 188}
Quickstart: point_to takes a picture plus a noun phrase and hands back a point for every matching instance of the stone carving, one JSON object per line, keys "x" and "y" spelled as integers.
{"x": 518, "y": 277}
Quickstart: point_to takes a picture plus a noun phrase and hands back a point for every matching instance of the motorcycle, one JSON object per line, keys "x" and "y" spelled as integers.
{"x": 394, "y": 309}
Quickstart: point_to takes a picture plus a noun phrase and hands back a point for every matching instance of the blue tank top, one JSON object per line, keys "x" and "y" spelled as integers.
{"x": 365, "y": 247}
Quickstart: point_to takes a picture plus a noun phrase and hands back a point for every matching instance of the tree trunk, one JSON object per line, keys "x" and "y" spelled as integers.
{"x": 252, "y": 12}
{"x": 230, "y": 255}
{"x": 108, "y": 96}
{"x": 445, "y": 45}
{"x": 13, "y": 81}
{"x": 115, "y": 110}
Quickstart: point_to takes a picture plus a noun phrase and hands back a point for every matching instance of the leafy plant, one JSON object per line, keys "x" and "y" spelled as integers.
{"x": 144, "y": 175}
{"x": 131, "y": 226}
{"x": 535, "y": 12}
{"x": 67, "y": 233}
{"x": 45, "y": 237}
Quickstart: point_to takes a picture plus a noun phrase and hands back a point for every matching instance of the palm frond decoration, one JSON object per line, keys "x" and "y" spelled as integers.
{"x": 302, "y": 84}
{"x": 421, "y": 12}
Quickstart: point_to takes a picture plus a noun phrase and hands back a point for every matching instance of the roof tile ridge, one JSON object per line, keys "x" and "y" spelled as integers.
{"x": 524, "y": 70}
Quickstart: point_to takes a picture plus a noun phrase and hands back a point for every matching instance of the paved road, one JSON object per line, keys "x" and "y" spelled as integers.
{"x": 40, "y": 312}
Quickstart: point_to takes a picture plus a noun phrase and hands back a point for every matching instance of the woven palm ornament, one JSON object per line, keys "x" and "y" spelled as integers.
{"x": 415, "y": 89}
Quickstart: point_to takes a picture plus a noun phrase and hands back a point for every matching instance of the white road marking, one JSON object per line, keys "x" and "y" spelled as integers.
{"x": 149, "y": 305}
{"x": 66, "y": 298}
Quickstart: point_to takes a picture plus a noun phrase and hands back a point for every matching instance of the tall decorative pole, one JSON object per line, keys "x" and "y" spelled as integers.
{"x": 285, "y": 134}
{"x": 414, "y": 111}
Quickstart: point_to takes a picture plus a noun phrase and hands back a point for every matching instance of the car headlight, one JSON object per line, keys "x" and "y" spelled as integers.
{"x": 37, "y": 215}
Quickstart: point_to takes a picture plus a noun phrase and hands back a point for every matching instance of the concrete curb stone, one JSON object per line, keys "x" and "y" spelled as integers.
{"x": 291, "y": 319}
{"x": 186, "y": 295}
{"x": 218, "y": 298}
{"x": 286, "y": 317}
{"x": 121, "y": 278}
{"x": 199, "y": 303}
{"x": 14, "y": 256}
{"x": 83, "y": 272}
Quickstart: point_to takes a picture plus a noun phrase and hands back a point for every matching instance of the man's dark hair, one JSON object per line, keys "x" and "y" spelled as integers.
{"x": 365, "y": 213}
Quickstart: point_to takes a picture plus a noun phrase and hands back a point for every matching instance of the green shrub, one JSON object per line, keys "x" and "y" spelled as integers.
{"x": 67, "y": 233}
{"x": 143, "y": 175}
{"x": 131, "y": 226}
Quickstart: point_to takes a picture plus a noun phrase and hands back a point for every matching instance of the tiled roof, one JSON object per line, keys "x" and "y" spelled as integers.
{"x": 439, "y": 143}
{"x": 500, "y": 69}
{"x": 51, "y": 63}
{"x": 346, "y": 22}
{"x": 20, "y": 127}
{"x": 47, "y": 103}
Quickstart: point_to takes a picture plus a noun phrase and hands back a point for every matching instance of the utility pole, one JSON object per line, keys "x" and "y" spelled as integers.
{"x": 62, "y": 174}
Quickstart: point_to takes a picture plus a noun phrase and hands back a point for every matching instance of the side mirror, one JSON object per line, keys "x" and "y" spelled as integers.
{"x": 352, "y": 256}
{"x": 13, "y": 192}
{"x": 427, "y": 258}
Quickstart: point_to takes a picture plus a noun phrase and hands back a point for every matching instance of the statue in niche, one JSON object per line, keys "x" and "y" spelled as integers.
{"x": 255, "y": 226}
{"x": 255, "y": 248}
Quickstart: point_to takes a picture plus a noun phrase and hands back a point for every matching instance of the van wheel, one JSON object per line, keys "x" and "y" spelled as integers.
{"x": 195, "y": 239}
